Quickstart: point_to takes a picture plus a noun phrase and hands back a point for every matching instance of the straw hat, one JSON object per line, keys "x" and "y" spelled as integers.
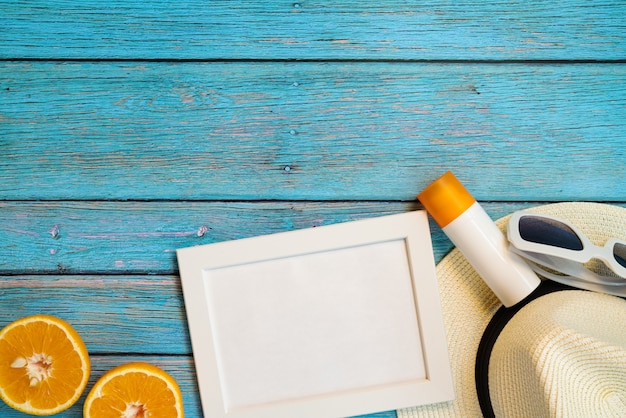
{"x": 563, "y": 354}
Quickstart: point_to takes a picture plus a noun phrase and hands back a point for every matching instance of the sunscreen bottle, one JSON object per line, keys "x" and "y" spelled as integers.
{"x": 475, "y": 234}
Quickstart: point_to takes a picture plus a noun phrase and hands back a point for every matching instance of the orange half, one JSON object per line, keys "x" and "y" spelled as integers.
{"x": 44, "y": 365}
{"x": 134, "y": 390}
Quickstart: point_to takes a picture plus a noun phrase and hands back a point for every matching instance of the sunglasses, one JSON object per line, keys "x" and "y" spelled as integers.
{"x": 555, "y": 244}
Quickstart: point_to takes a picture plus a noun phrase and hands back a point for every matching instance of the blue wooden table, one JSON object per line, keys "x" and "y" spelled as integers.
{"x": 129, "y": 129}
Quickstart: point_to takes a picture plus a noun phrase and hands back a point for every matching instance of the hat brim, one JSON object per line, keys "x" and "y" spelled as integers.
{"x": 469, "y": 305}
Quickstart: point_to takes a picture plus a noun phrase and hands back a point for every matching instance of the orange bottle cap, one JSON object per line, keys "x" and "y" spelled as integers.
{"x": 445, "y": 199}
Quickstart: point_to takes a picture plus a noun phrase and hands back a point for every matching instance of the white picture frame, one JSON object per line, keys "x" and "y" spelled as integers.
{"x": 333, "y": 321}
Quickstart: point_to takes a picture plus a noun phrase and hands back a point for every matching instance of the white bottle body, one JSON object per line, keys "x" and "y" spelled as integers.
{"x": 486, "y": 248}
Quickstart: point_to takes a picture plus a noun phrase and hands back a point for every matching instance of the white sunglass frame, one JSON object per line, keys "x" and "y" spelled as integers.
{"x": 589, "y": 251}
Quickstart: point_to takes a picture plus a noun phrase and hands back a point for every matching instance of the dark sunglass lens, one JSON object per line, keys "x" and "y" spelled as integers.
{"x": 549, "y": 232}
{"x": 619, "y": 251}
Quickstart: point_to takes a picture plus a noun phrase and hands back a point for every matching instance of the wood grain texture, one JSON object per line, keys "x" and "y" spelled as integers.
{"x": 388, "y": 29}
{"x": 141, "y": 317}
{"x": 113, "y": 314}
{"x": 129, "y": 129}
{"x": 314, "y": 131}
{"x": 141, "y": 237}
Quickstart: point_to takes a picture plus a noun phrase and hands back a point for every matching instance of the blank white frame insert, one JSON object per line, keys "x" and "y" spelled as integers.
{"x": 334, "y": 321}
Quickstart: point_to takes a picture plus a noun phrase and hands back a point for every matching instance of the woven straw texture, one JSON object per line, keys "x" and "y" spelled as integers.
{"x": 468, "y": 306}
{"x": 563, "y": 355}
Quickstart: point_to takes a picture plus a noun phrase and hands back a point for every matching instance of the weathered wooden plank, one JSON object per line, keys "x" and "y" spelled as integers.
{"x": 312, "y": 131}
{"x": 144, "y": 313}
{"x": 141, "y": 237}
{"x": 113, "y": 314}
{"x": 388, "y": 29}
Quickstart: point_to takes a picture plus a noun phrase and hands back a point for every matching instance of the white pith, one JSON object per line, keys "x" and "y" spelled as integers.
{"x": 136, "y": 410}
{"x": 38, "y": 367}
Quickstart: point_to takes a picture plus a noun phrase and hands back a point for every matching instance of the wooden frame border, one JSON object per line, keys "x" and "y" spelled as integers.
{"x": 198, "y": 265}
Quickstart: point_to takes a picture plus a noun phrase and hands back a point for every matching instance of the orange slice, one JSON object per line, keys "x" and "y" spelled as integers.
{"x": 134, "y": 390}
{"x": 44, "y": 365}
